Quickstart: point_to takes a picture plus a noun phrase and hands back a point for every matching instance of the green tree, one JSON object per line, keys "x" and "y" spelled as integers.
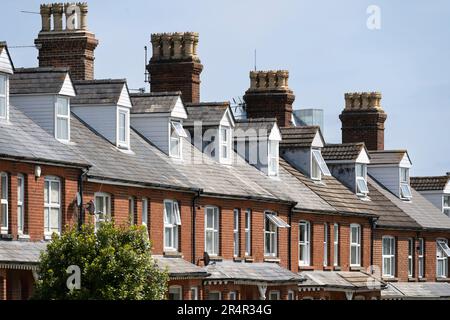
{"x": 115, "y": 264}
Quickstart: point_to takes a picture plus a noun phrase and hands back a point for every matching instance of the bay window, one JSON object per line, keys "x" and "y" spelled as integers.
{"x": 442, "y": 253}
{"x": 361, "y": 182}
{"x": 212, "y": 230}
{"x": 3, "y": 96}
{"x": 405, "y": 190}
{"x": 236, "y": 232}
{"x": 410, "y": 257}
{"x": 102, "y": 208}
{"x": 388, "y": 253}
{"x": 421, "y": 258}
{"x": 355, "y": 245}
{"x": 304, "y": 243}
{"x": 172, "y": 221}
{"x": 52, "y": 206}
{"x": 273, "y": 154}
{"x": 62, "y": 119}
{"x": 20, "y": 204}
{"x": 4, "y": 202}
{"x": 248, "y": 234}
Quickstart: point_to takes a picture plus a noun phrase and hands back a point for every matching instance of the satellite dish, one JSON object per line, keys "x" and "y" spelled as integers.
{"x": 206, "y": 258}
{"x": 78, "y": 199}
{"x": 90, "y": 207}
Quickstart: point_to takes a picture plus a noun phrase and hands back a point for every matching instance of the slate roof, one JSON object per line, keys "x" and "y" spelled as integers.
{"x": 22, "y": 139}
{"x": 330, "y": 190}
{"x": 342, "y": 152}
{"x": 390, "y": 215}
{"x": 347, "y": 280}
{"x": 386, "y": 156}
{"x": 154, "y": 102}
{"x": 178, "y": 267}
{"x": 437, "y": 183}
{"x": 210, "y": 113}
{"x": 302, "y": 136}
{"x": 20, "y": 252}
{"x": 252, "y": 128}
{"x": 419, "y": 209}
{"x": 258, "y": 272}
{"x": 37, "y": 80}
{"x": 416, "y": 290}
{"x": 98, "y": 92}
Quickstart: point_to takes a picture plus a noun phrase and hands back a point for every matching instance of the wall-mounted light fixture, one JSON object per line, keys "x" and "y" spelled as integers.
{"x": 37, "y": 171}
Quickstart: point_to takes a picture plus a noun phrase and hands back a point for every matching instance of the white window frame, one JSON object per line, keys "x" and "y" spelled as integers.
{"x": 144, "y": 215}
{"x": 361, "y": 179}
{"x": 232, "y": 295}
{"x": 356, "y": 243}
{"x": 421, "y": 258}
{"x": 273, "y": 147}
{"x": 291, "y": 295}
{"x": 248, "y": 232}
{"x": 214, "y": 231}
{"x": 131, "y": 208}
{"x": 446, "y": 208}
{"x": 405, "y": 189}
{"x": 179, "y": 292}
{"x": 4, "y": 202}
{"x": 64, "y": 117}
{"x": 388, "y": 256}
{"x": 317, "y": 162}
{"x": 441, "y": 260}
{"x": 411, "y": 244}
{"x": 5, "y": 96}
{"x": 276, "y": 293}
{"x": 172, "y": 221}
{"x": 236, "y": 215}
{"x": 325, "y": 244}
{"x": 194, "y": 293}
{"x": 306, "y": 243}
{"x": 48, "y": 206}
{"x": 272, "y": 234}
{"x": 123, "y": 143}
{"x": 20, "y": 204}
{"x": 102, "y": 214}
{"x": 336, "y": 245}
{"x": 175, "y": 134}
{"x": 225, "y": 142}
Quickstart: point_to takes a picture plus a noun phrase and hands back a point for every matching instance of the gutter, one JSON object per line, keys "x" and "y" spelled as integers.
{"x": 194, "y": 212}
{"x": 45, "y": 161}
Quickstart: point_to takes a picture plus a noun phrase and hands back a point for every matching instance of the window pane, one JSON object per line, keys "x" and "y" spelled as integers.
{"x": 168, "y": 215}
{"x": 2, "y": 85}
{"x": 2, "y": 107}
{"x": 55, "y": 192}
{"x": 46, "y": 218}
{"x": 446, "y": 201}
{"x": 62, "y": 107}
{"x": 20, "y": 189}
{"x": 175, "y": 146}
{"x": 54, "y": 219}
{"x": 353, "y": 253}
{"x": 168, "y": 237}
{"x": 4, "y": 186}
{"x": 122, "y": 126}
{"x": 209, "y": 241}
{"x": 62, "y": 128}
{"x": 209, "y": 218}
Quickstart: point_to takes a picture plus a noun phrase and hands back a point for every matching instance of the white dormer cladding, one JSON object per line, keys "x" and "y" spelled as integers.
{"x": 225, "y": 140}
{"x": 6, "y": 69}
{"x": 163, "y": 126}
{"x": 49, "y": 109}
{"x": 394, "y": 175}
{"x": 105, "y": 105}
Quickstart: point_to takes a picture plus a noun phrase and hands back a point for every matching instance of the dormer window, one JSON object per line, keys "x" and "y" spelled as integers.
{"x": 273, "y": 158}
{"x": 62, "y": 119}
{"x": 225, "y": 143}
{"x": 3, "y": 97}
{"x": 318, "y": 166}
{"x": 123, "y": 128}
{"x": 176, "y": 133}
{"x": 446, "y": 205}
{"x": 361, "y": 182}
{"x": 405, "y": 190}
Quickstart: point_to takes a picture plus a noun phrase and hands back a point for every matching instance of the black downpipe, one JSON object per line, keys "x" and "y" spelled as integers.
{"x": 194, "y": 212}
{"x": 291, "y": 209}
{"x": 81, "y": 206}
{"x": 372, "y": 238}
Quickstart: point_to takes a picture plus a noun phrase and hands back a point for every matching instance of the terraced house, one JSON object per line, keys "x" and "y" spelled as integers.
{"x": 237, "y": 208}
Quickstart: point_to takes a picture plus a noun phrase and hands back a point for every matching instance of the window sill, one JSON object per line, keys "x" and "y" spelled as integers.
{"x": 237, "y": 259}
{"x": 355, "y": 268}
{"x": 442, "y": 279}
{"x": 272, "y": 259}
{"x": 305, "y": 268}
{"x": 327, "y": 268}
{"x": 422, "y": 280}
{"x": 47, "y": 237}
{"x": 23, "y": 237}
{"x": 390, "y": 279}
{"x": 412, "y": 279}
{"x": 216, "y": 258}
{"x": 249, "y": 259}
{"x": 6, "y": 236}
{"x": 337, "y": 268}
{"x": 172, "y": 254}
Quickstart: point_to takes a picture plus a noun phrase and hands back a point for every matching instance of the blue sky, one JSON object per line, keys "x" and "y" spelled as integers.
{"x": 325, "y": 45}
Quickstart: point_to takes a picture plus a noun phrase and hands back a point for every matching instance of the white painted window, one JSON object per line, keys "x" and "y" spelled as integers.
{"x": 194, "y": 293}
{"x": 215, "y": 295}
{"x": 232, "y": 295}
{"x": 3, "y": 96}
{"x": 212, "y": 230}
{"x": 20, "y": 204}
{"x": 175, "y": 293}
{"x": 336, "y": 245}
{"x": 304, "y": 243}
{"x": 131, "y": 215}
{"x": 4, "y": 202}
{"x": 273, "y": 154}
{"x": 319, "y": 166}
{"x": 405, "y": 190}
{"x": 52, "y": 206}
{"x": 388, "y": 253}
{"x": 361, "y": 179}
{"x": 442, "y": 253}
{"x": 325, "y": 244}
{"x": 421, "y": 258}
{"x": 172, "y": 220}
{"x": 410, "y": 257}
{"x": 144, "y": 211}
{"x": 236, "y": 232}
{"x": 355, "y": 245}
{"x": 176, "y": 133}
{"x": 102, "y": 208}
{"x": 62, "y": 119}
{"x": 291, "y": 295}
{"x": 272, "y": 223}
{"x": 446, "y": 205}
{"x": 123, "y": 128}
{"x": 248, "y": 234}
{"x": 274, "y": 295}
{"x": 225, "y": 142}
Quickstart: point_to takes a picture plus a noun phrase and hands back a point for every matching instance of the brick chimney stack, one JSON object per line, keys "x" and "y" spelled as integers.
{"x": 269, "y": 96}
{"x": 363, "y": 120}
{"x": 175, "y": 66}
{"x": 68, "y": 43}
